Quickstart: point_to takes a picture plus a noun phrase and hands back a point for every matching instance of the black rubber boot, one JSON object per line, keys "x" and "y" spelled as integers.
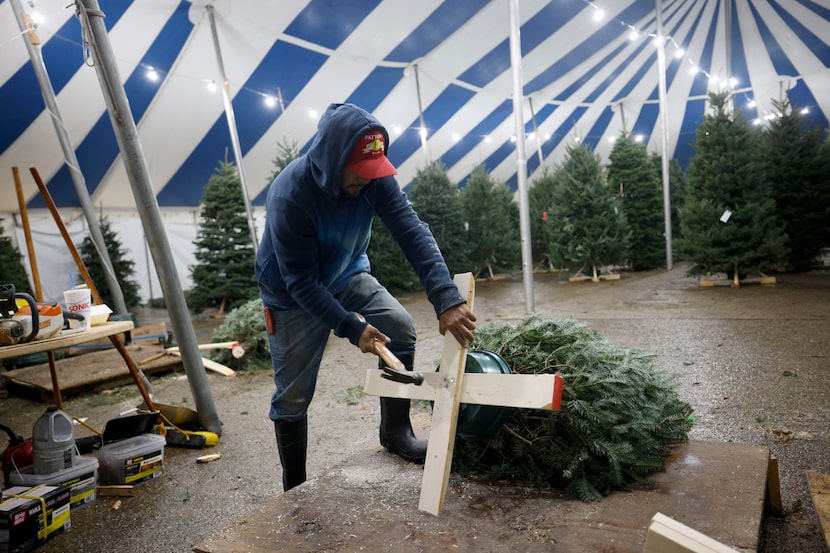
{"x": 396, "y": 433}
{"x": 292, "y": 441}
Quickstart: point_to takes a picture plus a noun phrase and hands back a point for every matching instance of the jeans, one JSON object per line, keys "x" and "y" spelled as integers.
{"x": 299, "y": 340}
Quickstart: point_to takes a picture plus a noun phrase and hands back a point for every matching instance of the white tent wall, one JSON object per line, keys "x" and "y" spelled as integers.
{"x": 55, "y": 261}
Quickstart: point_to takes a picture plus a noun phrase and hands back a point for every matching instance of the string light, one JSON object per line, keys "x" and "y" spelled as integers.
{"x": 633, "y": 34}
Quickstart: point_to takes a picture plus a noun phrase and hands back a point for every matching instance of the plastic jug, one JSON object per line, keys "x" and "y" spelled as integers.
{"x": 53, "y": 442}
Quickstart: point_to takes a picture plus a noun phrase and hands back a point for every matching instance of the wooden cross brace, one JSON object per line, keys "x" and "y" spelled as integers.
{"x": 450, "y": 387}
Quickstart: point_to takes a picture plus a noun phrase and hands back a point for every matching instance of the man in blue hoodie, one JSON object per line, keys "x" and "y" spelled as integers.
{"x": 313, "y": 275}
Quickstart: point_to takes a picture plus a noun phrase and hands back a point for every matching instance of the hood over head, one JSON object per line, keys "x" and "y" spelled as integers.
{"x": 342, "y": 128}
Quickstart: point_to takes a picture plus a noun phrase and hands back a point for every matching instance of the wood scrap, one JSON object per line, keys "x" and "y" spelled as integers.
{"x": 666, "y": 535}
{"x": 123, "y": 490}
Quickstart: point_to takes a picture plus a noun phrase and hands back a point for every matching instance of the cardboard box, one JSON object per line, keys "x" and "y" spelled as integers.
{"x": 131, "y": 461}
{"x": 81, "y": 479}
{"x": 29, "y": 516}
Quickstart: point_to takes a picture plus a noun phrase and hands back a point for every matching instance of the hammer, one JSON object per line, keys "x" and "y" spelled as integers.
{"x": 394, "y": 369}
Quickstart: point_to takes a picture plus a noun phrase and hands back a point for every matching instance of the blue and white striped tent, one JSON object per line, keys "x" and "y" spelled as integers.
{"x": 436, "y": 68}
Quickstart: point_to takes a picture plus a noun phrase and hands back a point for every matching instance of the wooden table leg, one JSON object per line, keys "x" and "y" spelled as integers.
{"x": 56, "y": 387}
{"x": 133, "y": 371}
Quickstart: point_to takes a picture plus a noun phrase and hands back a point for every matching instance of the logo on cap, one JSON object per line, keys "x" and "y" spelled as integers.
{"x": 373, "y": 146}
{"x": 368, "y": 159}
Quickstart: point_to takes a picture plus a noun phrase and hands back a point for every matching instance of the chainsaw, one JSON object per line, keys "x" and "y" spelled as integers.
{"x": 31, "y": 321}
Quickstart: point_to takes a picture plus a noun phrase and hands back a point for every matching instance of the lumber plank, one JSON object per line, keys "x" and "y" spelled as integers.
{"x": 819, "y": 485}
{"x": 773, "y": 502}
{"x": 529, "y": 391}
{"x": 666, "y": 535}
{"x": 445, "y": 413}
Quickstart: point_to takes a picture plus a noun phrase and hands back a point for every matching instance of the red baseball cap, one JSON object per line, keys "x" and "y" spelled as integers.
{"x": 368, "y": 159}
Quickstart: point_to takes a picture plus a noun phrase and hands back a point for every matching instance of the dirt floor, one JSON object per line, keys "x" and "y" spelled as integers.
{"x": 752, "y": 361}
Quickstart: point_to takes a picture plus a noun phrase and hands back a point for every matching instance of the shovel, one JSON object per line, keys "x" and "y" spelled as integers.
{"x": 182, "y": 417}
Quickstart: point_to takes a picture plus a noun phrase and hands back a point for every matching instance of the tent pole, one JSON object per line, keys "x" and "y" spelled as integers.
{"x": 229, "y": 115}
{"x": 422, "y": 132}
{"x": 521, "y": 158}
{"x": 664, "y": 130}
{"x": 132, "y": 154}
{"x": 536, "y": 132}
{"x": 78, "y": 180}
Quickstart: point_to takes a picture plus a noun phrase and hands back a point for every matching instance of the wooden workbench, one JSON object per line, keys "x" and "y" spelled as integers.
{"x": 66, "y": 339}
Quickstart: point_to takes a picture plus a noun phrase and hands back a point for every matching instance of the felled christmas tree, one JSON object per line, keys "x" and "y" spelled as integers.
{"x": 620, "y": 414}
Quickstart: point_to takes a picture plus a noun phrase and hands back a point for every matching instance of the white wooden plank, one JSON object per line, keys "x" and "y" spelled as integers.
{"x": 666, "y": 535}
{"x": 527, "y": 391}
{"x": 445, "y": 413}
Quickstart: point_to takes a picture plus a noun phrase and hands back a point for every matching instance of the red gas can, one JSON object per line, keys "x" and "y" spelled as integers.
{"x": 17, "y": 455}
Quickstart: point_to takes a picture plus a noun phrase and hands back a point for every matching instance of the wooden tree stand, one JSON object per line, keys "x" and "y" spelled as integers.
{"x": 449, "y": 388}
{"x": 736, "y": 282}
{"x": 579, "y": 277}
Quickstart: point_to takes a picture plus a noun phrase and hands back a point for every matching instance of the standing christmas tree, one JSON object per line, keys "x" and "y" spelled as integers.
{"x": 493, "y": 219}
{"x": 122, "y": 266}
{"x": 801, "y": 190}
{"x": 11, "y": 264}
{"x": 540, "y": 200}
{"x": 224, "y": 273}
{"x": 586, "y": 226}
{"x": 631, "y": 170}
{"x": 728, "y": 221}
{"x": 437, "y": 202}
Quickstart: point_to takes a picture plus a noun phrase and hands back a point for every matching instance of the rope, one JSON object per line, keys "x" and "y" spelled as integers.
{"x": 83, "y": 13}
{"x": 90, "y": 46}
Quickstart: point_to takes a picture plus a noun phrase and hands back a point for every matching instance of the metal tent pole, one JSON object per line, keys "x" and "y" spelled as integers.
{"x": 126, "y": 134}
{"x": 32, "y": 42}
{"x": 664, "y": 130}
{"x": 521, "y": 158}
{"x": 423, "y": 130}
{"x": 229, "y": 115}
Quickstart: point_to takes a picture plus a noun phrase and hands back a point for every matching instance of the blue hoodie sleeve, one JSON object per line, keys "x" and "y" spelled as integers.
{"x": 418, "y": 245}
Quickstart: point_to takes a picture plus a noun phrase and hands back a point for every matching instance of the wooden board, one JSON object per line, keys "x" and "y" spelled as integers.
{"x": 66, "y": 339}
{"x": 666, "y": 535}
{"x": 445, "y": 413}
{"x": 148, "y": 334}
{"x": 527, "y": 391}
{"x": 765, "y": 280}
{"x": 819, "y": 485}
{"x": 94, "y": 370}
{"x": 368, "y": 503}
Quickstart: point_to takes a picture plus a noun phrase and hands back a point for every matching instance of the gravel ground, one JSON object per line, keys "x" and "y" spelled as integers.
{"x": 752, "y": 361}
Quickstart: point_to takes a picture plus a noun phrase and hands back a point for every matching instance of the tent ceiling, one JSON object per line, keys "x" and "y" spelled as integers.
{"x": 589, "y": 71}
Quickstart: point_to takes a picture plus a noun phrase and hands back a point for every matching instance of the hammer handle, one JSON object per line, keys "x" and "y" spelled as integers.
{"x": 387, "y": 356}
